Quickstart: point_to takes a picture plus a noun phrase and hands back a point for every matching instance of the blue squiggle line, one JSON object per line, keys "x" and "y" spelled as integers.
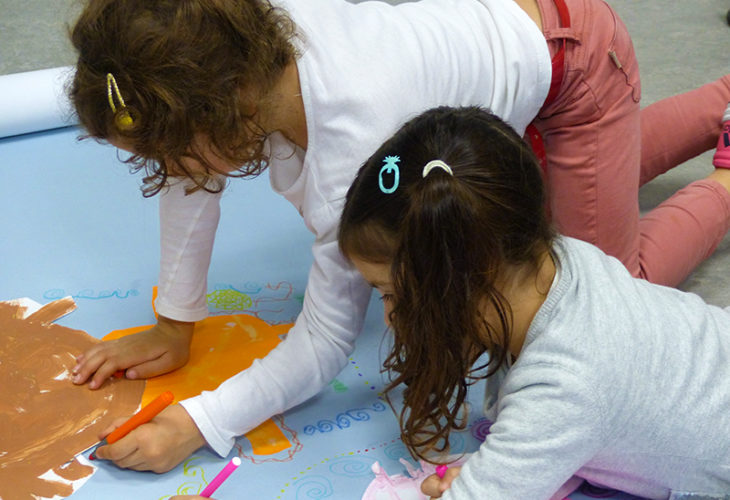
{"x": 344, "y": 420}
{"x": 58, "y": 293}
{"x": 396, "y": 450}
{"x": 351, "y": 467}
{"x": 314, "y": 487}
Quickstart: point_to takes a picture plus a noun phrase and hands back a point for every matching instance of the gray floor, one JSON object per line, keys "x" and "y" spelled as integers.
{"x": 680, "y": 44}
{"x": 33, "y": 34}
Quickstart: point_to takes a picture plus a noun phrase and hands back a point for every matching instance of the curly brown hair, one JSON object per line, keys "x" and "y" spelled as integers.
{"x": 183, "y": 67}
{"x": 448, "y": 239}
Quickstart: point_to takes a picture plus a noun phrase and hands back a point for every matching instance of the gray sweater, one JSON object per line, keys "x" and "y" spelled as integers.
{"x": 620, "y": 381}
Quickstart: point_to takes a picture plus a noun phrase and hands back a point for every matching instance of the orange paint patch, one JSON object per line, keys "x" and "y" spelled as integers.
{"x": 222, "y": 346}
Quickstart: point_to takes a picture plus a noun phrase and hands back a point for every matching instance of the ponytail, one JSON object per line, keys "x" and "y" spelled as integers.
{"x": 437, "y": 316}
{"x": 449, "y": 230}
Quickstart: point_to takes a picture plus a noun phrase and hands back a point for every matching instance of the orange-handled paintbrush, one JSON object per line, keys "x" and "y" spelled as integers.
{"x": 141, "y": 417}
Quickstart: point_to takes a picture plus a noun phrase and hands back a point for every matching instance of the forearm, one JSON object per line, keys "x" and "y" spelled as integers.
{"x": 297, "y": 369}
{"x": 188, "y": 225}
{"x": 314, "y": 351}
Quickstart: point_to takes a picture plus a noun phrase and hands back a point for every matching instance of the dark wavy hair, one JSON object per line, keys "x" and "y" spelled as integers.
{"x": 448, "y": 240}
{"x": 183, "y": 67}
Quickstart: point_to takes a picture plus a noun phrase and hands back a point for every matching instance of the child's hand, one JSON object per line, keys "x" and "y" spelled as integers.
{"x": 158, "y": 445}
{"x": 160, "y": 349}
{"x": 434, "y": 486}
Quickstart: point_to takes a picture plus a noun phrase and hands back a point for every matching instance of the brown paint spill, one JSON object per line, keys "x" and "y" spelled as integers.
{"x": 46, "y": 420}
{"x": 221, "y": 347}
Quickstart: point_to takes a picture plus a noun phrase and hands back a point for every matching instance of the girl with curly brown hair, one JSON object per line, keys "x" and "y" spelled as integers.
{"x": 201, "y": 91}
{"x": 590, "y": 371}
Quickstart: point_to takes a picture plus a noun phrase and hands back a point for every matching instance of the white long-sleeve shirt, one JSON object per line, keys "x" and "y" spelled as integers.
{"x": 620, "y": 381}
{"x": 364, "y": 70}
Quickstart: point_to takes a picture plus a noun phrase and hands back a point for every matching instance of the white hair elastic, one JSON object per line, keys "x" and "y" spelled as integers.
{"x": 436, "y": 164}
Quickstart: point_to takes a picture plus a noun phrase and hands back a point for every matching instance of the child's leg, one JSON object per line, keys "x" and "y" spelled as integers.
{"x": 592, "y": 133}
{"x": 592, "y": 137}
{"x": 681, "y": 127}
{"x": 683, "y": 231}
{"x": 700, "y": 212}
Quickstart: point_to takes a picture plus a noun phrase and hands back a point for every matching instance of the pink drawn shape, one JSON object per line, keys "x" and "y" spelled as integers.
{"x": 400, "y": 487}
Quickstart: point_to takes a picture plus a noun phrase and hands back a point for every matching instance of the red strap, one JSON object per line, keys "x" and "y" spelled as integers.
{"x": 537, "y": 144}
{"x": 558, "y": 63}
{"x": 563, "y": 13}
{"x": 558, "y": 60}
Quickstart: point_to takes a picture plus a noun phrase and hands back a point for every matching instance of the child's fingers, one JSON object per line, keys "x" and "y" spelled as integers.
{"x": 106, "y": 370}
{"x": 101, "y": 362}
{"x": 129, "y": 452}
{"x": 147, "y": 448}
{"x": 157, "y": 446}
{"x": 96, "y": 373}
{"x": 160, "y": 349}
{"x": 133, "y": 461}
{"x": 153, "y": 367}
{"x": 109, "y": 357}
{"x": 119, "y": 452}
{"x": 451, "y": 474}
{"x": 430, "y": 486}
{"x": 434, "y": 486}
{"x": 117, "y": 422}
{"x": 87, "y": 364}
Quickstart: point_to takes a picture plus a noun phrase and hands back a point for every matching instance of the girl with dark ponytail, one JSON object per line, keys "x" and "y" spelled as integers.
{"x": 447, "y": 220}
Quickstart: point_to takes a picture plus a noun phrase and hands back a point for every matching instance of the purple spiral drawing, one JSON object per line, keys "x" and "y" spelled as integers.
{"x": 480, "y": 429}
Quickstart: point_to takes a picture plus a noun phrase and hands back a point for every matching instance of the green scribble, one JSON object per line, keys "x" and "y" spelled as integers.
{"x": 338, "y": 386}
{"x": 300, "y": 298}
{"x": 229, "y": 300}
{"x": 194, "y": 487}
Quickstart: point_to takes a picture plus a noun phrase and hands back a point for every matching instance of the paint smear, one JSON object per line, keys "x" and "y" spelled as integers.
{"x": 222, "y": 346}
{"x": 46, "y": 420}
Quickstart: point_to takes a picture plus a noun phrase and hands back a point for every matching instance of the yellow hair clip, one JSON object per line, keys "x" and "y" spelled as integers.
{"x": 122, "y": 119}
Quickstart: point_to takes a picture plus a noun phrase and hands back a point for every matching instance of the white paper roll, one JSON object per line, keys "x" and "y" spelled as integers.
{"x": 35, "y": 101}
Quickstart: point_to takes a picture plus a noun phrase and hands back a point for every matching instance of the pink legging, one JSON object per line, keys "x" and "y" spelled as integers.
{"x": 601, "y": 147}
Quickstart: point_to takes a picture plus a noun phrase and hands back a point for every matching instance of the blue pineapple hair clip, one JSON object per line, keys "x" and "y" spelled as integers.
{"x": 390, "y": 166}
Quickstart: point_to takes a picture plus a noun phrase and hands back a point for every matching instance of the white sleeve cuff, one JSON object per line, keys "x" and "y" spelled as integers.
{"x": 219, "y": 444}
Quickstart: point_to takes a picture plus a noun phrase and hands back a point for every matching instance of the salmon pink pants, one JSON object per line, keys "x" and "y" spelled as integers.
{"x": 601, "y": 147}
